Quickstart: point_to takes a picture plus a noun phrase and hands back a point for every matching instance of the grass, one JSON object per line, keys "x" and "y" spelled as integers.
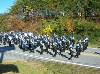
{"x": 94, "y": 42}
{"x": 37, "y": 67}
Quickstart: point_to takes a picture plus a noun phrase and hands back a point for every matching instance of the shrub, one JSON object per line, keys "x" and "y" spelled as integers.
{"x": 83, "y": 26}
{"x": 57, "y": 26}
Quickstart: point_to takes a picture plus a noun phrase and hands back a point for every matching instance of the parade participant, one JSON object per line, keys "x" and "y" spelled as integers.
{"x": 9, "y": 40}
{"x": 25, "y": 45}
{"x": 54, "y": 48}
{"x": 72, "y": 40}
{"x": 1, "y": 36}
{"x": 54, "y": 44}
{"x": 64, "y": 42}
{"x": 20, "y": 41}
{"x": 78, "y": 49}
{"x": 4, "y": 38}
{"x": 59, "y": 45}
{"x": 41, "y": 47}
{"x": 71, "y": 51}
{"x": 46, "y": 43}
{"x": 33, "y": 43}
{"x": 16, "y": 39}
{"x": 85, "y": 43}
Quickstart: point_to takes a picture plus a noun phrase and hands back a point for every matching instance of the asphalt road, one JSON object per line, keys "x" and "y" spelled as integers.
{"x": 89, "y": 58}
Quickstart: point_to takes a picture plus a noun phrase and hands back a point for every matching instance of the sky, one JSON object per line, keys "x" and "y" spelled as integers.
{"x": 5, "y": 5}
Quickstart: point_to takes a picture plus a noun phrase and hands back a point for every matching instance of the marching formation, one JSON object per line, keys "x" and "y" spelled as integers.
{"x": 28, "y": 41}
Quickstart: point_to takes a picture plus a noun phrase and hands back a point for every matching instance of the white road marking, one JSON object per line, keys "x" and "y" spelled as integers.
{"x": 16, "y": 52}
{"x": 26, "y": 54}
{"x": 48, "y": 59}
{"x": 20, "y": 53}
{"x": 11, "y": 51}
{"x": 92, "y": 48}
{"x": 31, "y": 56}
{"x": 90, "y": 54}
{"x": 36, "y": 56}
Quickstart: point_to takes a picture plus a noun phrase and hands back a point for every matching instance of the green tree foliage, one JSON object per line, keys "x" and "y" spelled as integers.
{"x": 57, "y": 26}
{"x": 3, "y": 23}
{"x": 72, "y": 8}
{"x": 84, "y": 27}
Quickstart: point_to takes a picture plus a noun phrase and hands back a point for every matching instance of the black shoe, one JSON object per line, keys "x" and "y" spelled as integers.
{"x": 69, "y": 58}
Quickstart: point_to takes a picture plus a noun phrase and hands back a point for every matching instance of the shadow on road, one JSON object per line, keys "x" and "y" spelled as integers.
{"x": 5, "y": 49}
{"x": 38, "y": 51}
{"x": 63, "y": 55}
{"x": 50, "y": 53}
{"x": 5, "y": 68}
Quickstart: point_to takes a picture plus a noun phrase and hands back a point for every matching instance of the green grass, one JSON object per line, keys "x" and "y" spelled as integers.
{"x": 94, "y": 42}
{"x": 37, "y": 67}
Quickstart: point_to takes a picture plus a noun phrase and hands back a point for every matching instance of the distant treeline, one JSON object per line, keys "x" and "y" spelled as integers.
{"x": 30, "y": 9}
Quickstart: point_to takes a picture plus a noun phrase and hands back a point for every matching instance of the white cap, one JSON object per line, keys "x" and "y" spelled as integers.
{"x": 30, "y": 34}
{"x": 25, "y": 34}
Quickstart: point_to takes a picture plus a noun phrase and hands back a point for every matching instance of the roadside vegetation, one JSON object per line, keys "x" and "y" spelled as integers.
{"x": 37, "y": 67}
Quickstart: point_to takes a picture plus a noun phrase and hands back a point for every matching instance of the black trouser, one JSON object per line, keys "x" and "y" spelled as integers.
{"x": 71, "y": 54}
{"x": 30, "y": 47}
{"x": 9, "y": 43}
{"x": 77, "y": 52}
{"x": 41, "y": 47}
{"x": 33, "y": 47}
{"x": 4, "y": 41}
{"x": 84, "y": 47}
{"x": 0, "y": 39}
{"x": 47, "y": 47}
{"x": 59, "y": 48}
{"x": 15, "y": 41}
{"x": 55, "y": 51}
{"x": 63, "y": 46}
{"x": 20, "y": 45}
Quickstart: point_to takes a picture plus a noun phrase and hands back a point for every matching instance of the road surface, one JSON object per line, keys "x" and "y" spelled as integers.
{"x": 88, "y": 58}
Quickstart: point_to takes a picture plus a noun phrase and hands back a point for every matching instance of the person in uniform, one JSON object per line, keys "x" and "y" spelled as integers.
{"x": 21, "y": 41}
{"x": 64, "y": 43}
{"x": 55, "y": 49}
{"x": 42, "y": 47}
{"x": 78, "y": 49}
{"x": 71, "y": 51}
{"x": 54, "y": 44}
{"x": 72, "y": 40}
{"x": 15, "y": 39}
{"x": 59, "y": 45}
{"x": 1, "y": 36}
{"x": 85, "y": 43}
{"x": 5, "y": 38}
{"x": 32, "y": 45}
{"x": 9, "y": 40}
{"x": 46, "y": 43}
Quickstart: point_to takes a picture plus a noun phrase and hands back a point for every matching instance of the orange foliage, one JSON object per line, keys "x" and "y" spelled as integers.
{"x": 19, "y": 25}
{"x": 69, "y": 26}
